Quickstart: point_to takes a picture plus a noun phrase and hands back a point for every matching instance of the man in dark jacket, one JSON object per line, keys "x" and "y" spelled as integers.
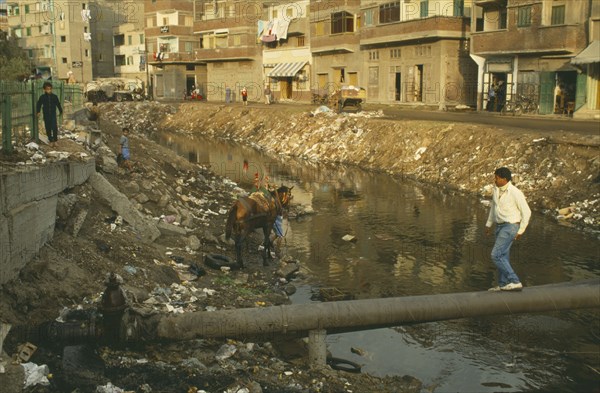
{"x": 50, "y": 102}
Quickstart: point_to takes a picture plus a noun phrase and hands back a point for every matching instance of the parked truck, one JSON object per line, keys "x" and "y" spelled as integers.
{"x": 115, "y": 89}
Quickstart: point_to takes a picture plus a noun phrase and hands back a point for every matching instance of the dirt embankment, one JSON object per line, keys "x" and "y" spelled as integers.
{"x": 554, "y": 171}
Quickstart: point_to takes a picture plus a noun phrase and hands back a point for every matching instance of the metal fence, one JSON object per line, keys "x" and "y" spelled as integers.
{"x": 18, "y": 105}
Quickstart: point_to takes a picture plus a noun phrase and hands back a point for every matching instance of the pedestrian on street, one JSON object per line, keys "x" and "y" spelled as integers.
{"x": 124, "y": 149}
{"x": 510, "y": 212}
{"x": 227, "y": 94}
{"x": 50, "y": 103}
{"x": 268, "y": 95}
{"x": 245, "y": 96}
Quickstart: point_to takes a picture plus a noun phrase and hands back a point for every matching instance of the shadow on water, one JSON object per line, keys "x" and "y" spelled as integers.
{"x": 413, "y": 240}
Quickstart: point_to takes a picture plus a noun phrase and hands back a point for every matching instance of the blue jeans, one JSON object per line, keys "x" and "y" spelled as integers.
{"x": 505, "y": 234}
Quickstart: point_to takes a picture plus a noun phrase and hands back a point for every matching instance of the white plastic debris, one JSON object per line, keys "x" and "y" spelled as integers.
{"x": 32, "y": 146}
{"x": 35, "y": 375}
{"x": 109, "y": 388}
{"x": 419, "y": 153}
{"x": 225, "y": 352}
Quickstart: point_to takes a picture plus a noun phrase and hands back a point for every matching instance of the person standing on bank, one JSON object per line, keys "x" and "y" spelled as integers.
{"x": 510, "y": 212}
{"x": 49, "y": 102}
{"x": 245, "y": 96}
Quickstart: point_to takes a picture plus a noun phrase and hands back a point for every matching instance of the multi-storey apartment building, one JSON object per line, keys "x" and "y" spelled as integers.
{"x": 129, "y": 51}
{"x": 529, "y": 46}
{"x": 335, "y": 44}
{"x": 55, "y": 34}
{"x": 171, "y": 46}
{"x": 417, "y": 51}
{"x": 284, "y": 34}
{"x": 228, "y": 44}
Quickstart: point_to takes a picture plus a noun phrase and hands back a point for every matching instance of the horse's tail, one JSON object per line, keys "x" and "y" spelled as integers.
{"x": 230, "y": 221}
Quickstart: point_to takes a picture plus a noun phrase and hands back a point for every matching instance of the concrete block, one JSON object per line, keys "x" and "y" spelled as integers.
{"x": 80, "y": 172}
{"x": 120, "y": 204}
{"x": 32, "y": 184}
{"x": 32, "y": 225}
{"x": 5, "y": 276}
{"x": 170, "y": 229}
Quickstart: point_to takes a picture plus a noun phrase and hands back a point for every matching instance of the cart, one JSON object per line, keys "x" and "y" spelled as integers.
{"x": 350, "y": 99}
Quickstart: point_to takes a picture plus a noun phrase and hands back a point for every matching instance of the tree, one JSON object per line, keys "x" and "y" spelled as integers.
{"x": 14, "y": 64}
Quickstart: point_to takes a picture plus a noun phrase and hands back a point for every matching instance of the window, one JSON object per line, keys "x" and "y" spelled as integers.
{"x": 165, "y": 21}
{"x": 30, "y": 53}
{"x": 87, "y": 53}
{"x": 119, "y": 60}
{"x": 424, "y": 8}
{"x": 300, "y": 40}
{"x": 503, "y": 18}
{"x": 342, "y": 22}
{"x": 221, "y": 41}
{"x": 64, "y": 60}
{"x": 237, "y": 40}
{"x": 28, "y": 31}
{"x": 150, "y": 21}
{"x": 274, "y": 14}
{"x": 129, "y": 60}
{"x": 83, "y": 6}
{"x": 289, "y": 12}
{"x": 389, "y": 12}
{"x": 189, "y": 46}
{"x": 63, "y": 38}
{"x": 85, "y": 29}
{"x": 524, "y": 16}
{"x": 558, "y": 15}
{"x": 129, "y": 40}
{"x": 395, "y": 53}
{"x": 190, "y": 67}
{"x": 459, "y": 8}
{"x": 119, "y": 40}
{"x": 369, "y": 17}
{"x": 374, "y": 55}
{"x": 26, "y": 8}
{"x": 141, "y": 38}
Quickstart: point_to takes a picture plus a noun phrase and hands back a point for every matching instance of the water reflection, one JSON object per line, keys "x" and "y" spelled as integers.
{"x": 413, "y": 240}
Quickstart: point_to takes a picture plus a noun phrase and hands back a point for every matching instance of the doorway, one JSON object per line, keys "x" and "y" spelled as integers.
{"x": 419, "y": 82}
{"x": 160, "y": 86}
{"x": 286, "y": 88}
{"x": 398, "y": 87}
{"x": 190, "y": 84}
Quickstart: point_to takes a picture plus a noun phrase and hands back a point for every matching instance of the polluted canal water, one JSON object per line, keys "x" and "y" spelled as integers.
{"x": 411, "y": 239}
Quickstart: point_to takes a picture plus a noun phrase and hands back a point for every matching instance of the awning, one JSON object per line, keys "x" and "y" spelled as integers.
{"x": 589, "y": 55}
{"x": 286, "y": 70}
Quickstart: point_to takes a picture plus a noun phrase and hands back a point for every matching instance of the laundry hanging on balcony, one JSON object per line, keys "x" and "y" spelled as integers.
{"x": 86, "y": 15}
{"x": 273, "y": 30}
{"x": 87, "y": 36}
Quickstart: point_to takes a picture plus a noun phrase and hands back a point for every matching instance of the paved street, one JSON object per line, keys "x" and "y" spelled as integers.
{"x": 538, "y": 122}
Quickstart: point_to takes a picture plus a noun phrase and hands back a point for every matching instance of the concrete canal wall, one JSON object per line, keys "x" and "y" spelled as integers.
{"x": 28, "y": 200}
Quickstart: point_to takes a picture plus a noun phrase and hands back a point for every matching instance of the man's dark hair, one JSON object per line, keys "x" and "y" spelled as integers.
{"x": 125, "y": 129}
{"x": 503, "y": 173}
{"x": 46, "y": 84}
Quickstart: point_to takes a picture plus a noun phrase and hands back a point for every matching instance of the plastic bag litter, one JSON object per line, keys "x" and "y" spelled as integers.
{"x": 109, "y": 388}
{"x": 35, "y": 375}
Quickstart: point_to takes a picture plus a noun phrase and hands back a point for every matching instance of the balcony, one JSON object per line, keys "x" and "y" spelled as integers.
{"x": 173, "y": 58}
{"x": 544, "y": 40}
{"x": 227, "y": 54}
{"x": 416, "y": 29}
{"x": 335, "y": 43}
{"x": 173, "y": 31}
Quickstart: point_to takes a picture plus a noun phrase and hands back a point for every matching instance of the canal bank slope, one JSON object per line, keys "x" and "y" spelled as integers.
{"x": 555, "y": 170}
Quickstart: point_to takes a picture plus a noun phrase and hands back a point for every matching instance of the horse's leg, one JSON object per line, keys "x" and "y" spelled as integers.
{"x": 267, "y": 245}
{"x": 238, "y": 250}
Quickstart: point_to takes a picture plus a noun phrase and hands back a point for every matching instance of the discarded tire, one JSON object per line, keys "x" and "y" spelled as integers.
{"x": 217, "y": 261}
{"x": 344, "y": 365}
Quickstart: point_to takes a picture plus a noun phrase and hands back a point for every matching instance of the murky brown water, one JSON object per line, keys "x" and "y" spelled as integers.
{"x": 414, "y": 240}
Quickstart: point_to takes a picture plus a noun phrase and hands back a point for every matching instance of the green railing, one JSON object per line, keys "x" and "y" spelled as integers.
{"x": 17, "y": 108}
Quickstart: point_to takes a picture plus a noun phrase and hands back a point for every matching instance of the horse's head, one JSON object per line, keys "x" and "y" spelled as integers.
{"x": 284, "y": 195}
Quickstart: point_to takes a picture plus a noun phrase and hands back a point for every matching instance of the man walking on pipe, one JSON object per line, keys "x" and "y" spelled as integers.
{"x": 510, "y": 212}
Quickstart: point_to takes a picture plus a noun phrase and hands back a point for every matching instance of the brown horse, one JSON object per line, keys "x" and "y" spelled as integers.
{"x": 247, "y": 214}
